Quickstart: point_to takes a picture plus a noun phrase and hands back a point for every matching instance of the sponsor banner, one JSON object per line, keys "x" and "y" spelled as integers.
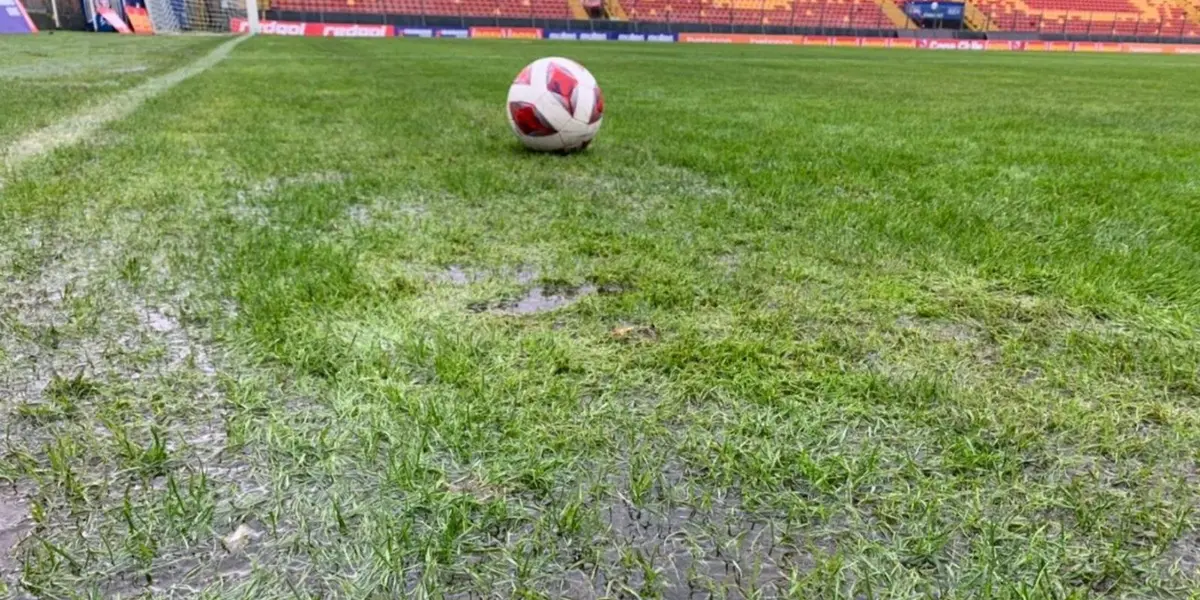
{"x": 793, "y": 40}
{"x": 646, "y": 37}
{"x": 600, "y": 36}
{"x": 508, "y": 33}
{"x": 1145, "y": 48}
{"x": 1049, "y": 46}
{"x": 1096, "y": 47}
{"x": 300, "y": 28}
{"x": 951, "y": 44}
{"x": 741, "y": 38}
{"x": 340, "y": 30}
{"x": 14, "y": 18}
{"x": 269, "y": 27}
{"x": 708, "y": 38}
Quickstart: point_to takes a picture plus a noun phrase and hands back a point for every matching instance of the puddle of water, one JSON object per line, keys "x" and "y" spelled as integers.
{"x": 541, "y": 299}
{"x": 459, "y": 275}
{"x": 697, "y": 551}
{"x": 14, "y": 523}
{"x": 527, "y": 276}
{"x": 538, "y": 299}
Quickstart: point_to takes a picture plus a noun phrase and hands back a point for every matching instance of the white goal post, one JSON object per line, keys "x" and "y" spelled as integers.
{"x": 208, "y": 16}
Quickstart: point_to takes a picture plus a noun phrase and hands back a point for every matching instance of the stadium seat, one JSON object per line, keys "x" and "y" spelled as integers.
{"x": 541, "y": 9}
{"x": 1095, "y": 17}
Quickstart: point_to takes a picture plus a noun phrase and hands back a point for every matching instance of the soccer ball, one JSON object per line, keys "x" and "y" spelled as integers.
{"x": 555, "y": 105}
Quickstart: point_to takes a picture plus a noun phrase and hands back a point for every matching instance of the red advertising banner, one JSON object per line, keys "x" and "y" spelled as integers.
{"x": 340, "y": 30}
{"x": 299, "y": 28}
{"x": 508, "y": 33}
{"x": 936, "y": 44}
{"x": 1145, "y": 48}
{"x": 1096, "y": 47}
{"x": 741, "y": 38}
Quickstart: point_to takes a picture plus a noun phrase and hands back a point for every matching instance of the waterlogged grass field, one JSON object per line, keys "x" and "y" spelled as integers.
{"x": 45, "y": 77}
{"x": 810, "y": 323}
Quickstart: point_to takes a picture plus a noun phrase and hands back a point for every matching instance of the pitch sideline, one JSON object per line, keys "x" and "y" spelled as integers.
{"x": 90, "y": 120}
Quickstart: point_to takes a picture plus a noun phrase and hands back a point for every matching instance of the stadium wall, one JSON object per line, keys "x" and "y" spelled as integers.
{"x": 329, "y": 29}
{"x": 634, "y": 27}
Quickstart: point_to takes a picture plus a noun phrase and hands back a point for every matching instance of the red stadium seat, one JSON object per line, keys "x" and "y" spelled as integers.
{"x": 1095, "y": 17}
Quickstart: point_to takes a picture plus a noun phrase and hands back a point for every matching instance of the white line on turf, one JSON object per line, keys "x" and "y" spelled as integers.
{"x": 87, "y": 122}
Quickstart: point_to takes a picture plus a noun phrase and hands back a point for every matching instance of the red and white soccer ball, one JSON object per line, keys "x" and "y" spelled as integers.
{"x": 555, "y": 105}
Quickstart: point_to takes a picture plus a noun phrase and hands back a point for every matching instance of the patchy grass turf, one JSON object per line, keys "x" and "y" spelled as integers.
{"x": 823, "y": 323}
{"x": 46, "y": 77}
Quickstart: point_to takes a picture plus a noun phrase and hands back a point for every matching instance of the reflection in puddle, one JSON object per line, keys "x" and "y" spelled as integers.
{"x": 538, "y": 299}
{"x": 544, "y": 298}
{"x": 459, "y": 275}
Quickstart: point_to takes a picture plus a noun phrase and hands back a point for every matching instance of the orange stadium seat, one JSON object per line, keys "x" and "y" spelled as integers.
{"x": 862, "y": 14}
{"x": 1095, "y": 17}
{"x": 1079, "y": 17}
{"x": 516, "y": 9}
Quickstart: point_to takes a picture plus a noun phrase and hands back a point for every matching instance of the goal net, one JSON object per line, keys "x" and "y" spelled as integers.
{"x": 213, "y": 16}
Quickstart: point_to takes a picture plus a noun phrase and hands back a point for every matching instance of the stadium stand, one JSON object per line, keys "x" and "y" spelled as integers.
{"x": 798, "y": 13}
{"x": 536, "y": 9}
{"x": 1097, "y": 17}
{"x": 1078, "y": 17}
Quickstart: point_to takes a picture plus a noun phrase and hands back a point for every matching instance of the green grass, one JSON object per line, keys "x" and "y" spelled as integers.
{"x": 47, "y": 77}
{"x": 865, "y": 324}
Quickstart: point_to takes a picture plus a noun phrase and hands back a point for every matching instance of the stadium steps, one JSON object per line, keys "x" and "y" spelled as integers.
{"x": 1148, "y": 12}
{"x": 577, "y": 11}
{"x": 895, "y": 15}
{"x": 976, "y": 20}
{"x": 1190, "y": 8}
{"x": 615, "y": 11}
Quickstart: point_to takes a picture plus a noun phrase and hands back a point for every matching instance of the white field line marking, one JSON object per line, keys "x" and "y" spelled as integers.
{"x": 87, "y": 122}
